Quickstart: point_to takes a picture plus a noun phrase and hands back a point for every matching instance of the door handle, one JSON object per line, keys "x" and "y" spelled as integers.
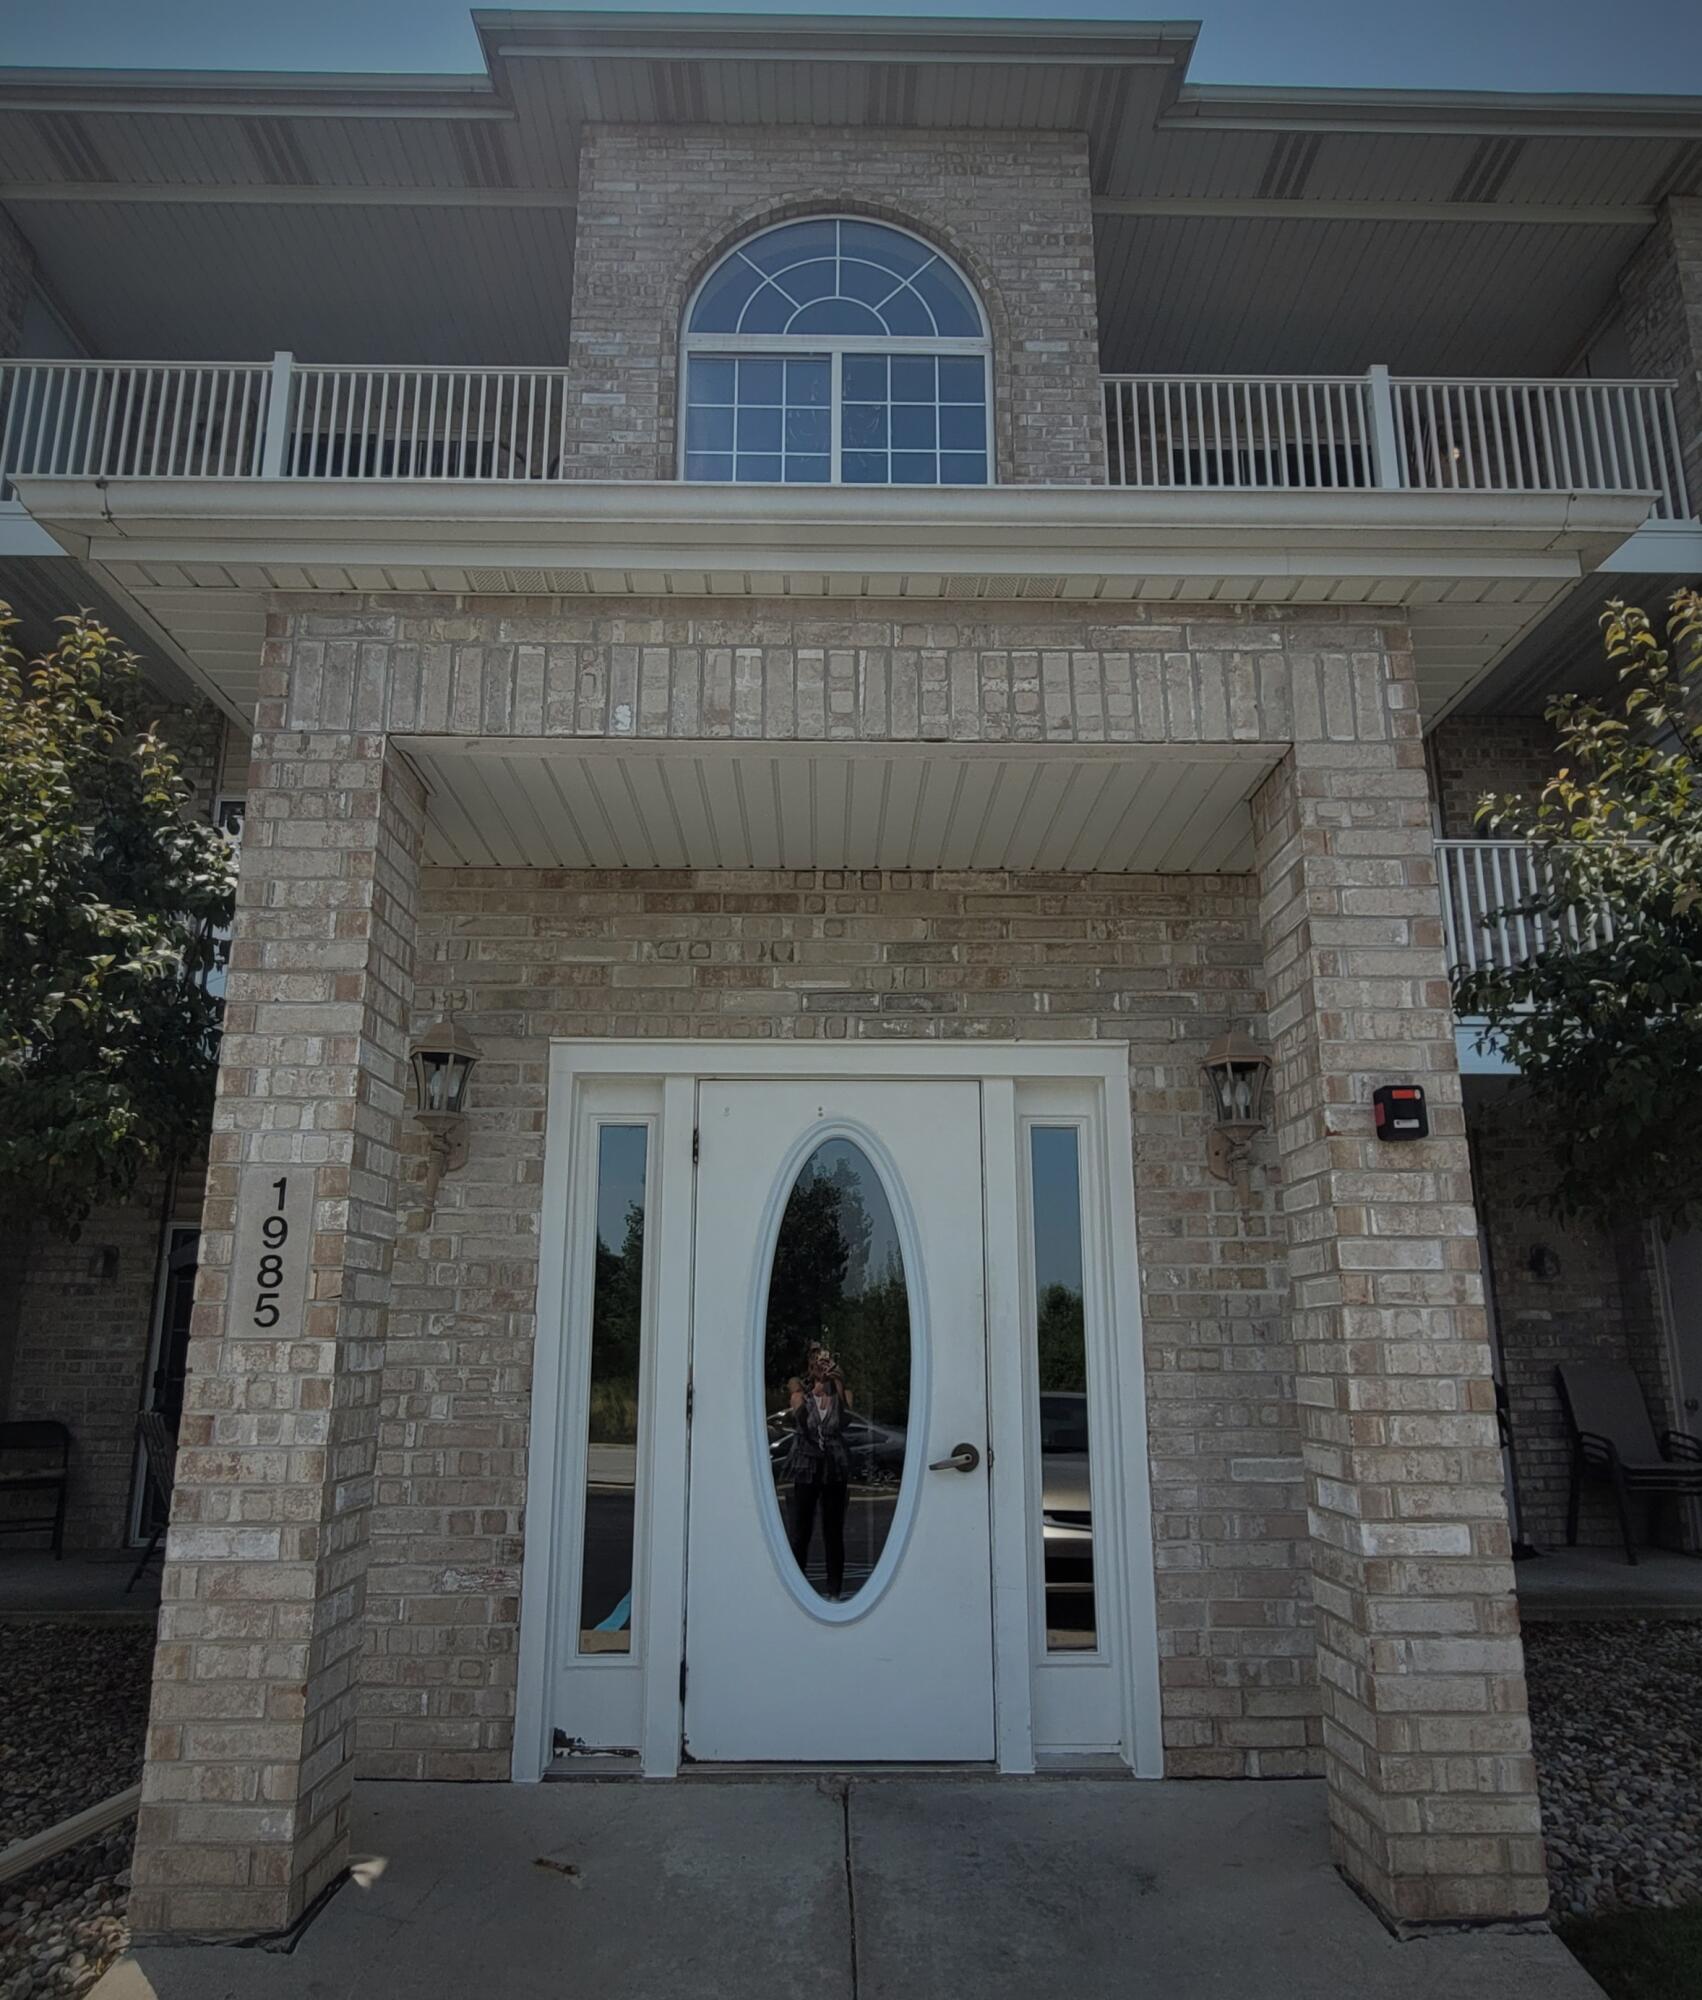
{"x": 964, "y": 1458}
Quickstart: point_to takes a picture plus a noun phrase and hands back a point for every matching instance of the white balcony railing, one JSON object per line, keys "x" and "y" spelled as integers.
{"x": 1488, "y": 888}
{"x": 279, "y": 420}
{"x": 286, "y": 420}
{"x": 1272, "y": 433}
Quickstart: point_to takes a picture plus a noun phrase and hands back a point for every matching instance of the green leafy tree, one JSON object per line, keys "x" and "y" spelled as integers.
{"x": 617, "y": 1333}
{"x": 1061, "y": 1339}
{"x": 109, "y": 896}
{"x": 1605, "y": 1022}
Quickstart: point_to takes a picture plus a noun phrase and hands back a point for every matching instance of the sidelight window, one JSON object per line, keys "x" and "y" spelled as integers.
{"x": 617, "y": 1338}
{"x": 1060, "y": 1345}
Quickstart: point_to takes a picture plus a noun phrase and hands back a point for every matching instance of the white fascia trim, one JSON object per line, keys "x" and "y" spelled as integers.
{"x": 20, "y": 536}
{"x": 257, "y": 194}
{"x": 1278, "y": 208}
{"x": 1659, "y": 548}
{"x": 1283, "y": 107}
{"x": 825, "y": 520}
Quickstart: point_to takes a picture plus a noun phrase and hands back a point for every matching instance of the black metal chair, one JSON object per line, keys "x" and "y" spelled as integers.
{"x": 1613, "y": 1439}
{"x": 36, "y": 1438}
{"x": 159, "y": 1454}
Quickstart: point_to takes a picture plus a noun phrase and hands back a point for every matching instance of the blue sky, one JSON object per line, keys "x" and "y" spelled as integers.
{"x": 1638, "y": 45}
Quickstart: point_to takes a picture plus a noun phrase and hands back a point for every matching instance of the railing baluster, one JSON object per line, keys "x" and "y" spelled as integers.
{"x": 105, "y": 461}
{"x": 61, "y": 398}
{"x": 1468, "y": 915}
{"x": 1678, "y": 502}
{"x": 1449, "y": 925}
{"x": 12, "y": 385}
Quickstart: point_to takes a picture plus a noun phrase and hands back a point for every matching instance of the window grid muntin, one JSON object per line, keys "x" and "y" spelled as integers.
{"x": 956, "y": 288}
{"x": 978, "y": 463}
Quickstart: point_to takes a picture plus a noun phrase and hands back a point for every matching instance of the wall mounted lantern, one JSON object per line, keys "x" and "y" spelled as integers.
{"x": 443, "y": 1059}
{"x": 1237, "y": 1070}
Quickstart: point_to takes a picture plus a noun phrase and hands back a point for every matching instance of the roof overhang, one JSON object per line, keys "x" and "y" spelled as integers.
{"x": 1440, "y": 232}
{"x": 1469, "y": 572}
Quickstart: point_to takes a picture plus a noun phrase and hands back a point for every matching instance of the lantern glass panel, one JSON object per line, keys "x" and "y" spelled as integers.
{"x": 1244, "y": 1092}
{"x": 442, "y": 1080}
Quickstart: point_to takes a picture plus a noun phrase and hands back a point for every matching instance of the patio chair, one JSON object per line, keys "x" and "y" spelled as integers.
{"x": 36, "y": 1439}
{"x": 159, "y": 1453}
{"x": 1613, "y": 1439}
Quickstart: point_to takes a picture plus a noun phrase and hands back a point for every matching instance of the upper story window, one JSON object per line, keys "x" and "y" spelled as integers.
{"x": 836, "y": 351}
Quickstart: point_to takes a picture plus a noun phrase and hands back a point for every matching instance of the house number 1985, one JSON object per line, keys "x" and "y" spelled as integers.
{"x": 269, "y": 1276}
{"x": 274, "y": 1241}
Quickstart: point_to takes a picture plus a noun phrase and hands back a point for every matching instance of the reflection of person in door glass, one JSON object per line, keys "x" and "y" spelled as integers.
{"x": 820, "y": 1464}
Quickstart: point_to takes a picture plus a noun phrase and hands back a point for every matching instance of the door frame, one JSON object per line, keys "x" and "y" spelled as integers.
{"x": 553, "y": 1466}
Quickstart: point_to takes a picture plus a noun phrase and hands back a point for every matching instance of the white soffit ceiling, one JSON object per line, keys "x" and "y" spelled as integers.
{"x": 627, "y": 803}
{"x": 420, "y": 219}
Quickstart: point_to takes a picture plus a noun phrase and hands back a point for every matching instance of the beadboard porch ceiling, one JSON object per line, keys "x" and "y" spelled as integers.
{"x": 626, "y": 803}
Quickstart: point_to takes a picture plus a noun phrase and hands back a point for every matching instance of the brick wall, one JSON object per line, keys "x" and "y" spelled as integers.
{"x": 17, "y": 273}
{"x": 1475, "y": 754}
{"x": 658, "y": 206}
{"x": 1661, "y": 291}
{"x": 84, "y": 1312}
{"x": 1162, "y": 963}
{"x": 1563, "y": 1293}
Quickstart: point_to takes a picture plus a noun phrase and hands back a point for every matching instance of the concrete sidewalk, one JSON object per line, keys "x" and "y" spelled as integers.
{"x": 876, "y": 1889}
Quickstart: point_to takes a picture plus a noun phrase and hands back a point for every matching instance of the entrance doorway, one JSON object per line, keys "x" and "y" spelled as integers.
{"x": 838, "y": 1446}
{"x": 839, "y": 1599}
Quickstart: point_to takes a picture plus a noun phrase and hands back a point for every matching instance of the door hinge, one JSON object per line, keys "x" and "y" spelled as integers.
{"x": 682, "y": 1683}
{"x": 696, "y": 1145}
{"x": 691, "y": 1395}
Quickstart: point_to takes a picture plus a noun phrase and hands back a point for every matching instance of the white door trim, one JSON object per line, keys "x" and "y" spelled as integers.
{"x": 999, "y": 1067}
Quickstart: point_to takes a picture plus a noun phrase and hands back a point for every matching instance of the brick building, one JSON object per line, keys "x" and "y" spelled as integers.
{"x": 831, "y": 599}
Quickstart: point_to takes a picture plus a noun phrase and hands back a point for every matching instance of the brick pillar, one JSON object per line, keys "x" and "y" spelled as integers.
{"x": 245, "y": 1798}
{"x": 1661, "y": 292}
{"x": 1433, "y": 1803}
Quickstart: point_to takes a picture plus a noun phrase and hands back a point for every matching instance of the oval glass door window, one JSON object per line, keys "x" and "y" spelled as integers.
{"x": 836, "y": 1369}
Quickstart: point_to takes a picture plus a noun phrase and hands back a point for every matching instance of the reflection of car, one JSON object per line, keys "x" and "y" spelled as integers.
{"x": 1066, "y": 1507}
{"x": 877, "y": 1450}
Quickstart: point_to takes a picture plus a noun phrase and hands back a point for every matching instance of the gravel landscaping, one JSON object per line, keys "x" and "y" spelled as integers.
{"x": 1616, "y": 1716}
{"x": 73, "y": 1710}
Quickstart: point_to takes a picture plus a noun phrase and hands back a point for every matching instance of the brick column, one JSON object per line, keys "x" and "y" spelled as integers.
{"x": 1433, "y": 1803}
{"x": 1661, "y": 291}
{"x": 244, "y": 1818}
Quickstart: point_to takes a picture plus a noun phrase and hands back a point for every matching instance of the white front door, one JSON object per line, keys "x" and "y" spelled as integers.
{"x": 839, "y": 1602}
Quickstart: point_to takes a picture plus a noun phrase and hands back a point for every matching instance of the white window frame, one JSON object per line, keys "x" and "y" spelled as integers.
{"x": 1084, "y": 1699}
{"x": 603, "y": 1691}
{"x": 833, "y": 349}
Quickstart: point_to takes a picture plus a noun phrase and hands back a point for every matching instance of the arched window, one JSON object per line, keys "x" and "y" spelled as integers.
{"x": 836, "y": 351}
